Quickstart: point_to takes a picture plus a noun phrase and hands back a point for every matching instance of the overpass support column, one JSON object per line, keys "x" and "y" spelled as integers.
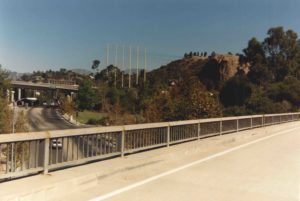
{"x": 19, "y": 94}
{"x": 7, "y": 95}
{"x": 12, "y": 96}
{"x": 72, "y": 94}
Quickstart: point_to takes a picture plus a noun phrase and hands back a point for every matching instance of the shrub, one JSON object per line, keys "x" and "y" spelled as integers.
{"x": 102, "y": 121}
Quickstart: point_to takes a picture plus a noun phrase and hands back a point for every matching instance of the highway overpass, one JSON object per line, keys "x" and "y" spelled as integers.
{"x": 16, "y": 93}
{"x": 248, "y": 158}
{"x": 43, "y": 86}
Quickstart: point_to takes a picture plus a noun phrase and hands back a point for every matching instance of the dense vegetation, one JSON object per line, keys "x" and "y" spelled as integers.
{"x": 6, "y": 113}
{"x": 176, "y": 92}
{"x": 272, "y": 84}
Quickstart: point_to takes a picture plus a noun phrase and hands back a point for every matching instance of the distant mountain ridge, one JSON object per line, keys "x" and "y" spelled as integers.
{"x": 15, "y": 75}
{"x": 81, "y": 71}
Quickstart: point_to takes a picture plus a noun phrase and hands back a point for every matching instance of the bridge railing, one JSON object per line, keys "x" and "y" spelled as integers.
{"x": 29, "y": 153}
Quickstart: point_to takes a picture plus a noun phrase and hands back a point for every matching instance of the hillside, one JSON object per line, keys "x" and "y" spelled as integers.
{"x": 218, "y": 68}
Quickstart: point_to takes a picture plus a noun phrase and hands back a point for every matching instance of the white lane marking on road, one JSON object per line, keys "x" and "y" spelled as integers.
{"x": 153, "y": 178}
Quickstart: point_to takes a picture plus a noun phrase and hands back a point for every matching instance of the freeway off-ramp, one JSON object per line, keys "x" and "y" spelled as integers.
{"x": 261, "y": 165}
{"x": 42, "y": 118}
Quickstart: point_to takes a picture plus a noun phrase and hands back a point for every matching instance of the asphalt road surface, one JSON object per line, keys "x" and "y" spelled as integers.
{"x": 42, "y": 119}
{"x": 266, "y": 169}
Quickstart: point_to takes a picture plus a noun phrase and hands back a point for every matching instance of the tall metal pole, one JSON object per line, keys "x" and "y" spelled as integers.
{"x": 145, "y": 65}
{"x": 129, "y": 75}
{"x": 107, "y": 59}
{"x": 116, "y": 64}
{"x": 137, "y": 66}
{"x": 123, "y": 66}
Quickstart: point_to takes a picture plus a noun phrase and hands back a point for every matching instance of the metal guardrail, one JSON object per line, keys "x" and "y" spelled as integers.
{"x": 30, "y": 153}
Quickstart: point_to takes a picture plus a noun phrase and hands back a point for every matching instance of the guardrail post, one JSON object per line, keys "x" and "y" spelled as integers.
{"x": 168, "y": 135}
{"x": 251, "y": 122}
{"x": 221, "y": 126}
{"x": 199, "y": 130}
{"x": 46, "y": 155}
{"x": 123, "y": 142}
{"x": 263, "y": 120}
{"x": 280, "y": 119}
{"x": 13, "y": 157}
{"x": 237, "y": 125}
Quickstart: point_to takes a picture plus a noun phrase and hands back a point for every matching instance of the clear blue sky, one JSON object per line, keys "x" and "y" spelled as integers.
{"x": 44, "y": 34}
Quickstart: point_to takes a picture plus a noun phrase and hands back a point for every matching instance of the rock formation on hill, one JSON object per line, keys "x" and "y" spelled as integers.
{"x": 217, "y": 68}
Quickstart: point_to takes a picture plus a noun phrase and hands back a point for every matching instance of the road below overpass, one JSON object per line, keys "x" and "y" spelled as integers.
{"x": 43, "y": 118}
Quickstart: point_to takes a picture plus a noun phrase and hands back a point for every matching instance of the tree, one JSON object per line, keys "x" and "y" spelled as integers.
{"x": 213, "y": 54}
{"x": 260, "y": 103}
{"x": 101, "y": 93}
{"x": 67, "y": 106}
{"x": 95, "y": 64}
{"x": 255, "y": 53}
{"x": 283, "y": 51}
{"x": 159, "y": 107}
{"x": 6, "y": 114}
{"x": 108, "y": 74}
{"x": 5, "y": 117}
{"x": 201, "y": 102}
{"x": 235, "y": 91}
{"x": 287, "y": 90}
{"x": 4, "y": 83}
{"x": 277, "y": 57}
{"x": 86, "y": 95}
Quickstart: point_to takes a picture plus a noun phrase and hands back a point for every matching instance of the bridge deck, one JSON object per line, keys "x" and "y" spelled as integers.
{"x": 265, "y": 169}
{"x": 31, "y": 85}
